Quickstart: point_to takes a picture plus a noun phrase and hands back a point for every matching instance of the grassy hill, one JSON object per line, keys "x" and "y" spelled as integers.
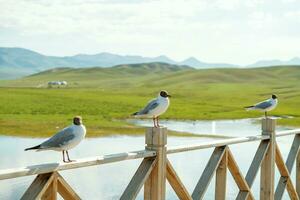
{"x": 105, "y": 97}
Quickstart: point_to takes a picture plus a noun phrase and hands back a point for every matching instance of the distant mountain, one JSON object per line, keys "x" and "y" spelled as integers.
{"x": 16, "y": 62}
{"x": 193, "y": 62}
{"x": 267, "y": 63}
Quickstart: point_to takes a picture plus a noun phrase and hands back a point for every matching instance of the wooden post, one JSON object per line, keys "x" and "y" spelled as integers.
{"x": 268, "y": 164}
{"x": 155, "y": 186}
{"x": 298, "y": 173}
{"x": 221, "y": 174}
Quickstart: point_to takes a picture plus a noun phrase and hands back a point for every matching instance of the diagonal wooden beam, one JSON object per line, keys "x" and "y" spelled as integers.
{"x": 285, "y": 179}
{"x": 208, "y": 172}
{"x": 237, "y": 175}
{"x": 176, "y": 183}
{"x": 293, "y": 153}
{"x": 298, "y": 173}
{"x": 65, "y": 190}
{"x": 282, "y": 183}
{"x": 138, "y": 179}
{"x": 221, "y": 176}
{"x": 51, "y": 192}
{"x": 254, "y": 167}
{"x": 38, "y": 187}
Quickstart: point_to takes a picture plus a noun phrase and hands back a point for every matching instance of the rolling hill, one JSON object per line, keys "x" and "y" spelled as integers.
{"x": 105, "y": 97}
{"x": 151, "y": 74}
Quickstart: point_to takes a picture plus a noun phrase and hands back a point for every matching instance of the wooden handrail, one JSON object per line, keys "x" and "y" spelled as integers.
{"x": 51, "y": 167}
{"x": 288, "y": 132}
{"x": 218, "y": 143}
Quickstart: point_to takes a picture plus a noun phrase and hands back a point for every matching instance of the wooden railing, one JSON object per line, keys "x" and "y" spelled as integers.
{"x": 155, "y": 169}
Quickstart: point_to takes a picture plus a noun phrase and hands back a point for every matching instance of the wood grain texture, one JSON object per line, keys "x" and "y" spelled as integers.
{"x": 138, "y": 179}
{"x": 176, "y": 183}
{"x": 285, "y": 179}
{"x": 51, "y": 192}
{"x": 221, "y": 177}
{"x": 268, "y": 165}
{"x": 208, "y": 172}
{"x": 38, "y": 187}
{"x": 65, "y": 190}
{"x": 155, "y": 185}
{"x": 254, "y": 167}
{"x": 79, "y": 163}
{"x": 237, "y": 175}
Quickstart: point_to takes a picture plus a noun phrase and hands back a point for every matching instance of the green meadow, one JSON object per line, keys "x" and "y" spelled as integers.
{"x": 106, "y": 97}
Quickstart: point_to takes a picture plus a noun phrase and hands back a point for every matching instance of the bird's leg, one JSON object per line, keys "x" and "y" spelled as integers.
{"x": 154, "y": 122}
{"x": 69, "y": 157}
{"x": 157, "y": 118}
{"x": 63, "y": 153}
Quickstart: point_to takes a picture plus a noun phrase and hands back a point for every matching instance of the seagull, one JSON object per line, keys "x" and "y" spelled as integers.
{"x": 65, "y": 139}
{"x": 155, "y": 107}
{"x": 265, "y": 106}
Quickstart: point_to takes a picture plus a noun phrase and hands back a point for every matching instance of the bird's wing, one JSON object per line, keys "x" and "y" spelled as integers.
{"x": 150, "y": 106}
{"x": 263, "y": 105}
{"x": 62, "y": 137}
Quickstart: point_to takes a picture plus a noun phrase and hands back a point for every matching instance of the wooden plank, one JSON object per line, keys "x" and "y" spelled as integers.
{"x": 285, "y": 180}
{"x": 138, "y": 179}
{"x": 38, "y": 187}
{"x": 79, "y": 163}
{"x": 51, "y": 192}
{"x": 254, "y": 167}
{"x": 208, "y": 172}
{"x": 217, "y": 143}
{"x": 293, "y": 153}
{"x": 298, "y": 174}
{"x": 155, "y": 185}
{"x": 65, "y": 190}
{"x": 237, "y": 175}
{"x": 268, "y": 165}
{"x": 288, "y": 132}
{"x": 176, "y": 183}
{"x": 257, "y": 160}
{"x": 221, "y": 176}
{"x": 289, "y": 166}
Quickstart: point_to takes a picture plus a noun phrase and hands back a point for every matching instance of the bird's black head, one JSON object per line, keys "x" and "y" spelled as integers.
{"x": 164, "y": 94}
{"x": 274, "y": 96}
{"x": 77, "y": 120}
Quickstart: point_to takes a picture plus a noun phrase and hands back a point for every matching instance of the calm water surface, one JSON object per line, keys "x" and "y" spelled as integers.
{"x": 109, "y": 181}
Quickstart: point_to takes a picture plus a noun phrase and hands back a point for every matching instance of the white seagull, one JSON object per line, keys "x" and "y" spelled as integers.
{"x": 65, "y": 139}
{"x": 155, "y": 107}
{"x": 265, "y": 106}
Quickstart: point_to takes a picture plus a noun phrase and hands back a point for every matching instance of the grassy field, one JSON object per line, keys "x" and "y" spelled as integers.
{"x": 105, "y": 98}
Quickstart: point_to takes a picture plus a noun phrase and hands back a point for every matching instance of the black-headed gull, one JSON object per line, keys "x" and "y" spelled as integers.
{"x": 265, "y": 106}
{"x": 155, "y": 107}
{"x": 65, "y": 139}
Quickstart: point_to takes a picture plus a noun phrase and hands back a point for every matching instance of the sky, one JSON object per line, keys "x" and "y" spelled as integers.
{"x": 233, "y": 31}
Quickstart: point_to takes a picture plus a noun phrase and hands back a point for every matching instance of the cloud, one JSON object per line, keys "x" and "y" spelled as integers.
{"x": 178, "y": 28}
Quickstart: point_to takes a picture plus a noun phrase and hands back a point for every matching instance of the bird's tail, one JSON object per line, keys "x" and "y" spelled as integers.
{"x": 249, "y": 107}
{"x": 33, "y": 148}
